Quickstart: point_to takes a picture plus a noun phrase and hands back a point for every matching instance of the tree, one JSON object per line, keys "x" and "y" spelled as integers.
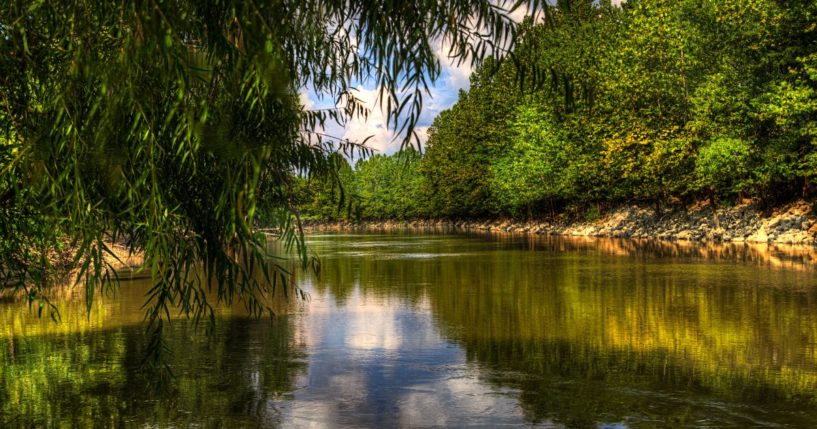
{"x": 722, "y": 165}
{"x": 533, "y": 169}
{"x": 330, "y": 196}
{"x": 165, "y": 123}
{"x": 652, "y": 101}
{"x": 389, "y": 187}
{"x": 464, "y": 140}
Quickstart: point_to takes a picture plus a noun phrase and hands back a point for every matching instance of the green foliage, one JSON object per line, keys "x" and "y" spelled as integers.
{"x": 465, "y": 140}
{"x": 723, "y": 165}
{"x": 328, "y": 196}
{"x": 533, "y": 169}
{"x": 658, "y": 101}
{"x": 389, "y": 187}
{"x": 170, "y": 125}
{"x": 652, "y": 101}
{"x": 379, "y": 187}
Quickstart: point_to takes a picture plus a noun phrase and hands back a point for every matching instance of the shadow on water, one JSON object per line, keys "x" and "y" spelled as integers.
{"x": 86, "y": 370}
{"x": 228, "y": 379}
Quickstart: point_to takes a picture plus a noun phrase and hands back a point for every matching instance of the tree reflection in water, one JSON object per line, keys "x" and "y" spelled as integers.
{"x": 408, "y": 329}
{"x": 86, "y": 371}
{"x": 610, "y": 330}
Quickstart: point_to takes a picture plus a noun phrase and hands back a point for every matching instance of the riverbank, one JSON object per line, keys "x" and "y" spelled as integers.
{"x": 794, "y": 223}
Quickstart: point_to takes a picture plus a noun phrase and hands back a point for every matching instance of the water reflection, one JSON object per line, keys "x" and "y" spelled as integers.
{"x": 86, "y": 370}
{"x": 378, "y": 361}
{"x": 230, "y": 379}
{"x": 785, "y": 256}
{"x": 611, "y": 331}
{"x": 440, "y": 330}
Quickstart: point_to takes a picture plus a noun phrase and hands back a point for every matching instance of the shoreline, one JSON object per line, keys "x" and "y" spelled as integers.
{"x": 794, "y": 224}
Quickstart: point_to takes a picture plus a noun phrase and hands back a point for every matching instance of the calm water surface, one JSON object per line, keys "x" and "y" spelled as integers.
{"x": 443, "y": 330}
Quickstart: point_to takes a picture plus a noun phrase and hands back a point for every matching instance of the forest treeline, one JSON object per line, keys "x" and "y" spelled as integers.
{"x": 659, "y": 102}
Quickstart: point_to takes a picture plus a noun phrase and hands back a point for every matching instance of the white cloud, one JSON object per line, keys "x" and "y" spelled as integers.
{"x": 372, "y": 326}
{"x": 453, "y": 76}
{"x": 359, "y": 129}
{"x": 306, "y": 100}
{"x": 442, "y": 95}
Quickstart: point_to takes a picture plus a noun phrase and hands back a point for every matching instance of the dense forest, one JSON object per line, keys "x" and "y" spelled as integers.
{"x": 657, "y": 102}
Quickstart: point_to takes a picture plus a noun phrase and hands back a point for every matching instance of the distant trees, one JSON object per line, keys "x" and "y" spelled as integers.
{"x": 653, "y": 101}
{"x": 389, "y": 187}
{"x": 379, "y": 187}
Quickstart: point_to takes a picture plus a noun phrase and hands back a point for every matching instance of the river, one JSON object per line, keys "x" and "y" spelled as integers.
{"x": 425, "y": 330}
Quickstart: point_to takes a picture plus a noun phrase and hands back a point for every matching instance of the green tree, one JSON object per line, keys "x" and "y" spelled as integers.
{"x": 464, "y": 141}
{"x": 722, "y": 165}
{"x": 328, "y": 196}
{"x": 533, "y": 169}
{"x": 389, "y": 187}
{"x": 641, "y": 96}
{"x": 166, "y": 123}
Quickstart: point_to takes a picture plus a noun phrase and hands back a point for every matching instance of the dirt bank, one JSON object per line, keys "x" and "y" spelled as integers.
{"x": 795, "y": 223}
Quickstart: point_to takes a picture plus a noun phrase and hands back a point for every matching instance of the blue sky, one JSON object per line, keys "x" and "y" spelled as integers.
{"x": 443, "y": 94}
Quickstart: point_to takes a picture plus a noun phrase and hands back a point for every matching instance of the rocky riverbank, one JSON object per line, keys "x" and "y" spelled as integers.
{"x": 795, "y": 223}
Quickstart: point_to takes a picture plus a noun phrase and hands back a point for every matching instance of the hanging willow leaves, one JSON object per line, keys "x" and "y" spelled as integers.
{"x": 168, "y": 124}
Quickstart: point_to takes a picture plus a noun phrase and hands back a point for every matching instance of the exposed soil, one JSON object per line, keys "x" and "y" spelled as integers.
{"x": 795, "y": 223}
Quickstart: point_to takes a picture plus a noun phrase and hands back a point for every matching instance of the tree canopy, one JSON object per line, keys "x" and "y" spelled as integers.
{"x": 654, "y": 101}
{"x": 170, "y": 124}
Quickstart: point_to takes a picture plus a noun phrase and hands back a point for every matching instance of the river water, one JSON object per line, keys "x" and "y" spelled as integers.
{"x": 427, "y": 330}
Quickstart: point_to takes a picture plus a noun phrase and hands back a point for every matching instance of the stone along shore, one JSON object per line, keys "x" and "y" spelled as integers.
{"x": 794, "y": 223}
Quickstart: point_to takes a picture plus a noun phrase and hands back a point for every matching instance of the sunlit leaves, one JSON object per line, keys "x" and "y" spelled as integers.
{"x": 389, "y": 187}
{"x": 653, "y": 101}
{"x": 534, "y": 168}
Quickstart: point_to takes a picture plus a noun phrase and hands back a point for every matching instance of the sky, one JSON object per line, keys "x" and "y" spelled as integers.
{"x": 442, "y": 95}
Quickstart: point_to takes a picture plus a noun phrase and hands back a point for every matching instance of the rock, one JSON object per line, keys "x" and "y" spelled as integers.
{"x": 716, "y": 234}
{"x": 790, "y": 224}
{"x": 760, "y": 236}
{"x": 684, "y": 235}
{"x": 793, "y": 236}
